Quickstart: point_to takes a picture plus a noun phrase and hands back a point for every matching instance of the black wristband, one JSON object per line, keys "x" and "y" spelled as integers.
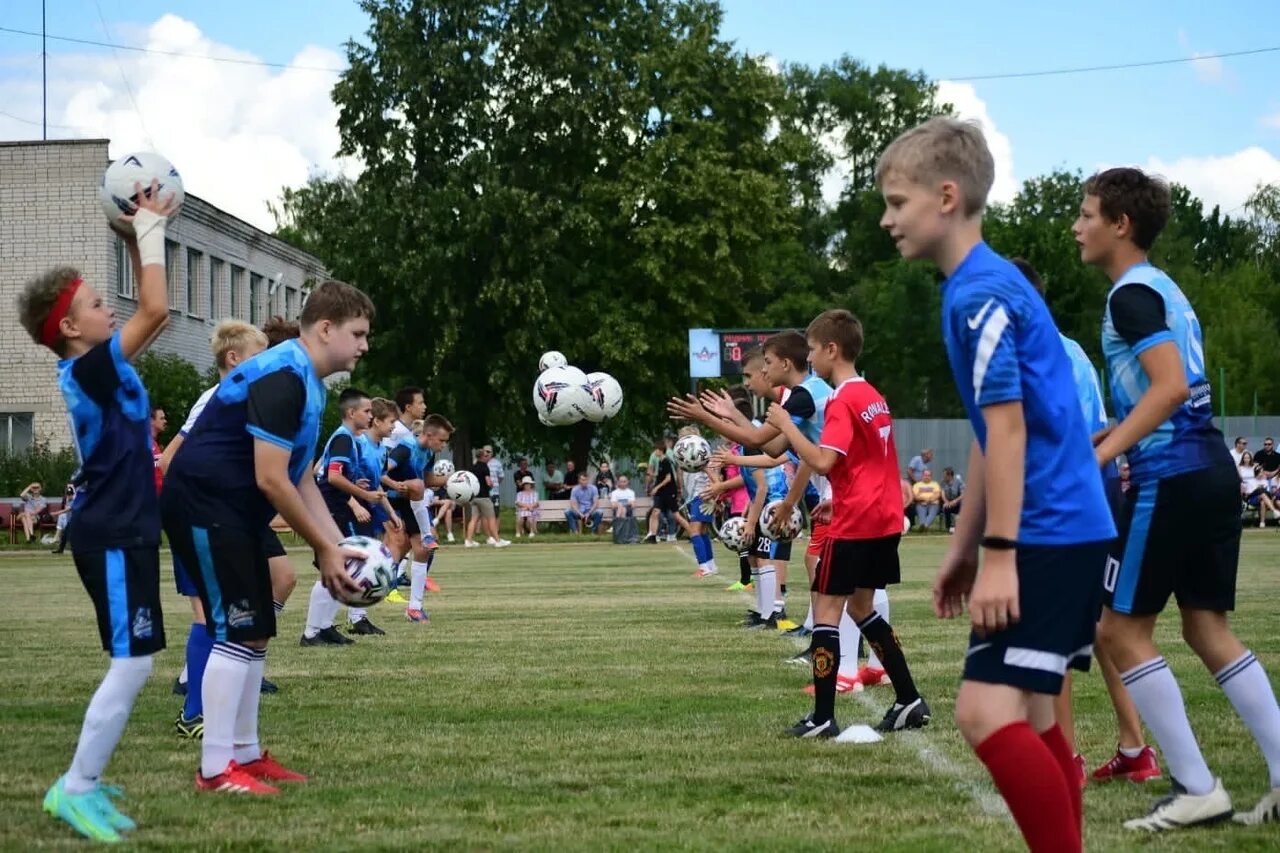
{"x": 999, "y": 543}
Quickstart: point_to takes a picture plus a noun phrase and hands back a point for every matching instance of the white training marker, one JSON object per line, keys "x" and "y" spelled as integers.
{"x": 859, "y": 734}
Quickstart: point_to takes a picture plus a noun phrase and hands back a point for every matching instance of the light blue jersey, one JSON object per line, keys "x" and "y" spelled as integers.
{"x": 1089, "y": 392}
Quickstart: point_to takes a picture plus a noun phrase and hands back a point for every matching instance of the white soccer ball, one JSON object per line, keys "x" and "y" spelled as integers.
{"x": 375, "y": 572}
{"x": 607, "y": 394}
{"x": 691, "y": 453}
{"x": 774, "y": 526}
{"x": 462, "y": 486}
{"x": 560, "y": 396}
{"x": 551, "y": 358}
{"x": 118, "y": 189}
{"x": 735, "y": 535}
{"x": 443, "y": 468}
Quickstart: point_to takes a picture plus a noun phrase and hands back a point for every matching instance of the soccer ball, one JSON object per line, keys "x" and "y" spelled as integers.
{"x": 375, "y": 572}
{"x": 551, "y": 358}
{"x": 462, "y": 486}
{"x": 691, "y": 453}
{"x": 117, "y": 189}
{"x": 734, "y": 534}
{"x": 560, "y": 396}
{"x": 778, "y": 528}
{"x": 443, "y": 468}
{"x": 607, "y": 394}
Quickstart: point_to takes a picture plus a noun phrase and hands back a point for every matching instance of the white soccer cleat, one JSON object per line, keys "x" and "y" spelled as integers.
{"x": 1180, "y": 810}
{"x": 1266, "y": 811}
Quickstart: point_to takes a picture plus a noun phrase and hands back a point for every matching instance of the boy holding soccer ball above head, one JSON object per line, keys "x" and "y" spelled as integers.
{"x": 1044, "y": 530}
{"x": 248, "y": 457}
{"x": 114, "y": 531}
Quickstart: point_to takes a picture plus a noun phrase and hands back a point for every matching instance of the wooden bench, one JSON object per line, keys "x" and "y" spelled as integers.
{"x": 45, "y": 521}
{"x": 552, "y": 512}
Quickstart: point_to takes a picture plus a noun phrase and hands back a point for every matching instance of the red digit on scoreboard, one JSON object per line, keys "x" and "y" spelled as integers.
{"x": 735, "y": 353}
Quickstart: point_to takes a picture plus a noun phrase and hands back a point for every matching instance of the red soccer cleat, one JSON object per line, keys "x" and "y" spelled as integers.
{"x": 871, "y": 676}
{"x": 1121, "y": 766}
{"x": 1081, "y": 770}
{"x": 844, "y": 684}
{"x": 268, "y": 768}
{"x": 432, "y": 586}
{"x": 233, "y": 780}
{"x": 416, "y": 616}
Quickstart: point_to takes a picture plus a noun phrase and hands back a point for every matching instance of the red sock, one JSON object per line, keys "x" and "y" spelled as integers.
{"x": 1027, "y": 775}
{"x": 1057, "y": 743}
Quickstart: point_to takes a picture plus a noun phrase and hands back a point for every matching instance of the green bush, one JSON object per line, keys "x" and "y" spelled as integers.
{"x": 50, "y": 468}
{"x": 173, "y": 384}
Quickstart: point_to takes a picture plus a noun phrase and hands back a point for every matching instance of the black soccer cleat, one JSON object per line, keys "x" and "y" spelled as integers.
{"x": 898, "y": 718}
{"x": 192, "y": 729}
{"x": 754, "y": 622}
{"x": 799, "y": 631}
{"x": 364, "y": 626}
{"x": 268, "y": 687}
{"x": 805, "y": 659}
{"x": 179, "y": 687}
{"x": 807, "y": 728}
{"x": 331, "y": 636}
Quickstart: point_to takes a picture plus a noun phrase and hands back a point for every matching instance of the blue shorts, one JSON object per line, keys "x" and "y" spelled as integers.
{"x": 124, "y": 585}
{"x": 697, "y": 514}
{"x": 1060, "y": 596}
{"x": 182, "y": 579}
{"x": 380, "y": 517}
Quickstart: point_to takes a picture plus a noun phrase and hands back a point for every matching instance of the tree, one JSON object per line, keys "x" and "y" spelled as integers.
{"x": 172, "y": 384}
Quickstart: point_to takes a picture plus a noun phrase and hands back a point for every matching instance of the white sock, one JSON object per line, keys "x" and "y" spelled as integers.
{"x": 402, "y": 567}
{"x": 245, "y": 738}
{"x": 848, "y": 644}
{"x": 1131, "y": 752}
{"x": 1249, "y": 691}
{"x": 1155, "y": 691}
{"x": 417, "y": 584}
{"x": 766, "y": 590}
{"x": 104, "y": 721}
{"x": 881, "y": 604}
{"x": 224, "y": 685}
{"x": 711, "y": 565}
{"x": 331, "y": 612}
{"x": 808, "y": 619}
{"x": 182, "y": 679}
{"x": 317, "y": 607}
{"x": 355, "y": 614}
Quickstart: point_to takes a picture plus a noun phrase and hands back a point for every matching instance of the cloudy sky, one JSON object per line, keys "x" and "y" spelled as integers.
{"x": 239, "y": 132}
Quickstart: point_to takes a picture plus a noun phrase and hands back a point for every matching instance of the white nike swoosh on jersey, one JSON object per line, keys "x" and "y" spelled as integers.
{"x": 975, "y": 322}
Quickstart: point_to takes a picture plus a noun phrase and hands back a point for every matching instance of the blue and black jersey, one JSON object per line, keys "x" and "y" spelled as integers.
{"x": 342, "y": 455}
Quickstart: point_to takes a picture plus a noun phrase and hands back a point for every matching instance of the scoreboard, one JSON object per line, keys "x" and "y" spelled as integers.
{"x": 719, "y": 352}
{"x": 734, "y": 345}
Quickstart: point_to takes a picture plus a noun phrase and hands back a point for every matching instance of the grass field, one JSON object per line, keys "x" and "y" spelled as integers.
{"x": 574, "y": 697}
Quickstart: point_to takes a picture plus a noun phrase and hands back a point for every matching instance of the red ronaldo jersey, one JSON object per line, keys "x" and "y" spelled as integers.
{"x": 865, "y": 492}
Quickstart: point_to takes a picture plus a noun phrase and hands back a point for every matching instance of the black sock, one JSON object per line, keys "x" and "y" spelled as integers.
{"x": 826, "y": 662}
{"x": 880, "y": 635}
{"x": 783, "y": 587}
{"x": 744, "y": 569}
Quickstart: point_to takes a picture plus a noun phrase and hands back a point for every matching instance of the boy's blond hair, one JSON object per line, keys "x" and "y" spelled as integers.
{"x": 235, "y": 336}
{"x": 943, "y": 149}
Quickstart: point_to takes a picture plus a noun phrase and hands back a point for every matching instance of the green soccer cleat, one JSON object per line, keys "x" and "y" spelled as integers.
{"x": 81, "y": 811}
{"x": 119, "y": 821}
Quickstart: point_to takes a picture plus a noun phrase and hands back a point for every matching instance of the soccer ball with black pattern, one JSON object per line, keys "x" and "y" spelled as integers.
{"x": 551, "y": 358}
{"x": 735, "y": 535}
{"x": 606, "y": 393}
{"x": 691, "y": 453}
{"x": 119, "y": 186}
{"x": 462, "y": 486}
{"x": 374, "y": 573}
{"x": 560, "y": 396}
{"x": 443, "y": 468}
{"x": 777, "y": 528}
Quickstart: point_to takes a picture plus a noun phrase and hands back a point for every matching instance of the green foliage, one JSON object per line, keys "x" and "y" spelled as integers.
{"x": 50, "y": 468}
{"x": 172, "y": 384}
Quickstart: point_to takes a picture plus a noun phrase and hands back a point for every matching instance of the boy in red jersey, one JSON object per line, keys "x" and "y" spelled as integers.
{"x": 860, "y": 555}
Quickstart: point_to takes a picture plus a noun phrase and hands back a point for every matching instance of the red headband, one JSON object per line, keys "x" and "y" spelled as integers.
{"x": 49, "y": 331}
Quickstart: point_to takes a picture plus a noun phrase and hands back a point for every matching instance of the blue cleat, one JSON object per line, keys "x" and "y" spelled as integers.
{"x": 105, "y": 794}
{"x": 82, "y": 811}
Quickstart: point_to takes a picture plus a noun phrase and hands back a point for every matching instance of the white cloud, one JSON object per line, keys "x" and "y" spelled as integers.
{"x": 1208, "y": 68}
{"x": 1226, "y": 180}
{"x": 238, "y": 133}
{"x": 1272, "y": 121}
{"x": 967, "y": 105}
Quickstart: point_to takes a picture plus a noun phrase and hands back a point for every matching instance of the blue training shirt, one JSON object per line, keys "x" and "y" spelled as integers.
{"x": 343, "y": 449}
{"x": 276, "y": 397}
{"x": 373, "y": 460}
{"x": 1003, "y": 346}
{"x": 1145, "y": 309}
{"x": 1089, "y": 393}
{"x": 115, "y": 504}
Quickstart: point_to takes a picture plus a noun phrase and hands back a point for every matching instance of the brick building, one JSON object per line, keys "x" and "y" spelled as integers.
{"x": 218, "y": 267}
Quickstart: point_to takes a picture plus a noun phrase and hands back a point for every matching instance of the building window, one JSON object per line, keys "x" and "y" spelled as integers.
{"x": 15, "y": 433}
{"x": 193, "y": 279}
{"x": 171, "y": 259}
{"x": 291, "y": 304}
{"x": 125, "y": 285}
{"x": 237, "y": 285}
{"x": 215, "y": 281}
{"x": 255, "y": 298}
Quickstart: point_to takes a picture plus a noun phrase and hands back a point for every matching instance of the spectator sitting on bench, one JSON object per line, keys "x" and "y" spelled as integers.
{"x": 927, "y": 495}
{"x": 622, "y": 501}
{"x": 64, "y": 517}
{"x": 527, "y": 503}
{"x": 952, "y": 497}
{"x": 1253, "y": 489}
{"x": 584, "y": 506}
{"x": 34, "y": 509}
{"x": 553, "y": 482}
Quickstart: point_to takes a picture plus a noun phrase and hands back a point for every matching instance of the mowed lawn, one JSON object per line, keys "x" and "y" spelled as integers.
{"x": 574, "y": 697}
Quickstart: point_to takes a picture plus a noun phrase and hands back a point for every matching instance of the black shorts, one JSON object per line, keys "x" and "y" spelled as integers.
{"x": 346, "y": 521}
{"x": 229, "y": 567}
{"x": 771, "y": 549}
{"x": 186, "y": 585}
{"x": 846, "y": 565}
{"x": 664, "y": 502}
{"x": 407, "y": 517}
{"x": 124, "y": 585}
{"x": 1179, "y": 535}
{"x": 271, "y": 544}
{"x": 1059, "y": 595}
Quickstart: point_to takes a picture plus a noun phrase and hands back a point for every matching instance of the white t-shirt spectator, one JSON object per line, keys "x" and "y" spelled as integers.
{"x": 623, "y": 497}
{"x": 495, "y": 473}
{"x": 1248, "y": 481}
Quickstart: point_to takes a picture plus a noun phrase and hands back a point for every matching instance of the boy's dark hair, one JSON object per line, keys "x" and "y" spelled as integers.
{"x": 404, "y": 397}
{"x": 336, "y": 302}
{"x": 739, "y": 392}
{"x": 278, "y": 330}
{"x": 154, "y": 409}
{"x": 437, "y": 423}
{"x": 1133, "y": 193}
{"x": 660, "y": 444}
{"x": 744, "y": 408}
{"x": 838, "y": 326}
{"x": 350, "y": 399}
{"x": 1030, "y": 274}
{"x": 37, "y": 300}
{"x": 790, "y": 345}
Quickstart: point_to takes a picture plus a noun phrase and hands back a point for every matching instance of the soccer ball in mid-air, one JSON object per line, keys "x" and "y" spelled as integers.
{"x": 606, "y": 392}
{"x": 462, "y": 486}
{"x": 560, "y": 396}
{"x": 779, "y": 528}
{"x": 374, "y": 573}
{"x": 691, "y": 453}
{"x": 443, "y": 468}
{"x": 734, "y": 534}
{"x": 119, "y": 186}
{"x": 551, "y": 358}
